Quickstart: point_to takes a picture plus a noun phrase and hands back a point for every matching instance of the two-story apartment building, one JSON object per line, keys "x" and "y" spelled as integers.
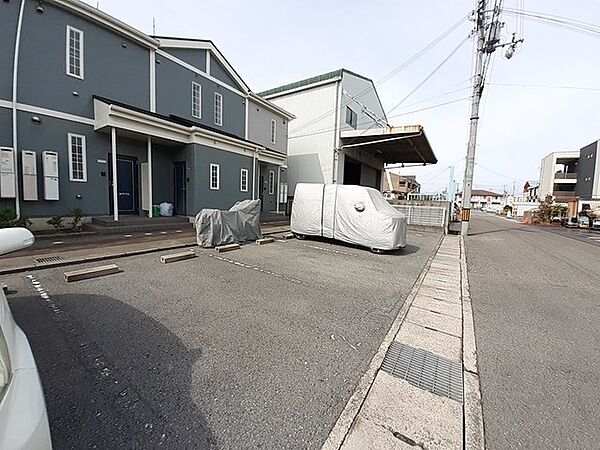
{"x": 588, "y": 173}
{"x": 399, "y": 186}
{"x": 341, "y": 133}
{"x": 98, "y": 115}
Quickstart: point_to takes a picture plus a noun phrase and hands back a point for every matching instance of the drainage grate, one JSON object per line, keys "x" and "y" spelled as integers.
{"x": 425, "y": 370}
{"x": 47, "y": 259}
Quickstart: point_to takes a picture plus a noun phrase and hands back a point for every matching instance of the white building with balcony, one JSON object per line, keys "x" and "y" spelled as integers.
{"x": 558, "y": 176}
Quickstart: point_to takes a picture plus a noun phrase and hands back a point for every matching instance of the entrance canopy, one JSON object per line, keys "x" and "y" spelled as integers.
{"x": 403, "y": 144}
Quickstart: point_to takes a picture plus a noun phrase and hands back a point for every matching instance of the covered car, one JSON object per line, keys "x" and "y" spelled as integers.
{"x": 238, "y": 225}
{"x": 354, "y": 214}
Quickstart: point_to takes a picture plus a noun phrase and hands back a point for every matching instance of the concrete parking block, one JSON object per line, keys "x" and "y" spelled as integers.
{"x": 174, "y": 257}
{"x": 433, "y": 341}
{"x": 93, "y": 272}
{"x": 409, "y": 414}
{"x": 227, "y": 248}
{"x": 265, "y": 241}
{"x": 440, "y": 322}
{"x": 439, "y": 306}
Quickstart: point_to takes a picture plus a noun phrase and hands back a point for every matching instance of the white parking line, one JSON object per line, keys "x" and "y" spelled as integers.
{"x": 57, "y": 242}
{"x": 128, "y": 235}
{"x": 147, "y": 234}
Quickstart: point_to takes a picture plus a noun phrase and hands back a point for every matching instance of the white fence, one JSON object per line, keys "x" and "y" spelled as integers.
{"x": 429, "y": 216}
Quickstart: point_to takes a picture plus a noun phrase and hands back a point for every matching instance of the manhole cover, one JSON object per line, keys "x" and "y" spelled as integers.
{"x": 47, "y": 259}
{"x": 425, "y": 370}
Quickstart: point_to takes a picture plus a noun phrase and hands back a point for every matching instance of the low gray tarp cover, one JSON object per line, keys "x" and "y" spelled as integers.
{"x": 237, "y": 226}
{"x": 355, "y": 214}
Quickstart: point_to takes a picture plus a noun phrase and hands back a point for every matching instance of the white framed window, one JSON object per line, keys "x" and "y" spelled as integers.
{"x": 74, "y": 52}
{"x": 77, "y": 158}
{"x": 244, "y": 180}
{"x": 271, "y": 182}
{"x": 218, "y": 109}
{"x": 196, "y": 100}
{"x": 273, "y": 131}
{"x": 215, "y": 177}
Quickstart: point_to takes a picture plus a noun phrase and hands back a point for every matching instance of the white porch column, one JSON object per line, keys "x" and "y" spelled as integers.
{"x": 278, "y": 187}
{"x": 254, "y": 176}
{"x": 149, "y": 176}
{"x": 113, "y": 144}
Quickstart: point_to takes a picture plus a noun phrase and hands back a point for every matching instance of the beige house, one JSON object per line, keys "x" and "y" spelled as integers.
{"x": 399, "y": 186}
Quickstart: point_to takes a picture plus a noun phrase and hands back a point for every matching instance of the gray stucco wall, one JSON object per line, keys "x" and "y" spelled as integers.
{"x": 174, "y": 96}
{"x": 219, "y": 72}
{"x": 195, "y": 57}
{"x": 356, "y": 87}
{"x": 110, "y": 70}
{"x": 229, "y": 190}
{"x": 585, "y": 171}
{"x": 259, "y": 128}
{"x": 9, "y": 13}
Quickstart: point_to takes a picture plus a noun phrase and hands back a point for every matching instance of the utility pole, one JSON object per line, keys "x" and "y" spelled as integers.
{"x": 486, "y": 45}
{"x": 474, "y": 121}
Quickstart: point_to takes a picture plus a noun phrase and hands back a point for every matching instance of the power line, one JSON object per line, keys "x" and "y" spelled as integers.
{"x": 390, "y": 74}
{"x": 433, "y": 72}
{"x": 548, "y": 86}
{"x": 587, "y": 28}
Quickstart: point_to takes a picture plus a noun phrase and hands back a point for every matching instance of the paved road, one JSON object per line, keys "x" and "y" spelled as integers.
{"x": 536, "y": 304}
{"x": 583, "y": 235}
{"x": 257, "y": 348}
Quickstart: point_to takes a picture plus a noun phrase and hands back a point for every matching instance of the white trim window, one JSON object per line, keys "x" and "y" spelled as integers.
{"x": 244, "y": 180}
{"x": 273, "y": 131}
{"x": 77, "y": 158}
{"x": 218, "y": 109}
{"x": 74, "y": 52}
{"x": 196, "y": 100}
{"x": 271, "y": 182}
{"x": 215, "y": 177}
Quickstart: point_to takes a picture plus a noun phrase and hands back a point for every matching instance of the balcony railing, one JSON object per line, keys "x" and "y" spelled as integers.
{"x": 564, "y": 194}
{"x": 565, "y": 176}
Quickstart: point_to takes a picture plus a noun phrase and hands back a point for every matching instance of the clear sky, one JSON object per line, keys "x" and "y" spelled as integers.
{"x": 275, "y": 42}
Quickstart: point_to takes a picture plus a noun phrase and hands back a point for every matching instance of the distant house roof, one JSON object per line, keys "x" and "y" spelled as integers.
{"x": 482, "y": 193}
{"x": 336, "y": 74}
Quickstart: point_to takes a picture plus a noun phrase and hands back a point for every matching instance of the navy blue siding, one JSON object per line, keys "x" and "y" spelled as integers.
{"x": 192, "y": 56}
{"x": 9, "y": 13}
{"x": 174, "y": 96}
{"x": 114, "y": 66}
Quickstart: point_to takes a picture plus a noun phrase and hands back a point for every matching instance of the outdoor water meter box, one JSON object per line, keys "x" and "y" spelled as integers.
{"x": 7, "y": 173}
{"x": 29, "y": 165}
{"x": 50, "y": 167}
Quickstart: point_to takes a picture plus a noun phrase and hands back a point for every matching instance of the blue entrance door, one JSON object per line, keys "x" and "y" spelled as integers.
{"x": 126, "y": 185}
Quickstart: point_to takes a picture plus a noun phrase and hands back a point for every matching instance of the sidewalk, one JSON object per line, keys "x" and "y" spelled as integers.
{"x": 423, "y": 391}
{"x": 57, "y": 257}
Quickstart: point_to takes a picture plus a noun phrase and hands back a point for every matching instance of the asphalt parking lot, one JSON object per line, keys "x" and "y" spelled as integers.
{"x": 256, "y": 348}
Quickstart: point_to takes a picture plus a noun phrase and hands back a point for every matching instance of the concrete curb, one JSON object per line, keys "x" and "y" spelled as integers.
{"x": 340, "y": 430}
{"x": 102, "y": 257}
{"x": 473, "y": 427}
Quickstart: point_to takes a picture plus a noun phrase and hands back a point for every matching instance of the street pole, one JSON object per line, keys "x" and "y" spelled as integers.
{"x": 476, "y": 98}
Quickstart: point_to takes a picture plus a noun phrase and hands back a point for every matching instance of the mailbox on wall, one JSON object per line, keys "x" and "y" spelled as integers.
{"x": 29, "y": 165}
{"x": 7, "y": 173}
{"x": 50, "y": 167}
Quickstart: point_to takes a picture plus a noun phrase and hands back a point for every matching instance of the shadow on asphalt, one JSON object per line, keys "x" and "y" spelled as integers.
{"x": 407, "y": 250}
{"x": 112, "y": 376}
{"x": 500, "y": 230}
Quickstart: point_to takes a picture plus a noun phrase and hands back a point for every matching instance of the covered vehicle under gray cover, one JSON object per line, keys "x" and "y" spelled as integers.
{"x": 355, "y": 214}
{"x": 237, "y": 226}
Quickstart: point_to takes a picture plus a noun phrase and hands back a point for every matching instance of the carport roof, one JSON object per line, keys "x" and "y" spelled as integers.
{"x": 400, "y": 144}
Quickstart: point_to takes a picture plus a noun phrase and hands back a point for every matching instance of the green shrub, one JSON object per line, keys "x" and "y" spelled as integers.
{"x": 8, "y": 218}
{"x": 56, "y": 222}
{"x": 77, "y": 214}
